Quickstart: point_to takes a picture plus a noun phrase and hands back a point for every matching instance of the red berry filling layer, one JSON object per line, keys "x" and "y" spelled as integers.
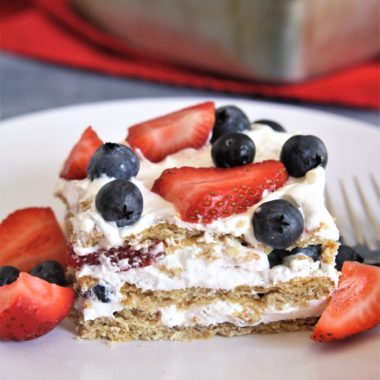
{"x": 124, "y": 257}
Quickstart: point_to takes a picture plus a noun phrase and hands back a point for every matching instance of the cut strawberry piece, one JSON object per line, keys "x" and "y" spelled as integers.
{"x": 187, "y": 128}
{"x": 125, "y": 257}
{"x": 76, "y": 163}
{"x": 202, "y": 195}
{"x": 30, "y": 236}
{"x": 31, "y": 307}
{"x": 354, "y": 306}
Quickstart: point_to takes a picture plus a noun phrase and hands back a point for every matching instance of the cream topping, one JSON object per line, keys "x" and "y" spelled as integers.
{"x": 306, "y": 192}
{"x": 234, "y": 313}
{"x": 187, "y": 267}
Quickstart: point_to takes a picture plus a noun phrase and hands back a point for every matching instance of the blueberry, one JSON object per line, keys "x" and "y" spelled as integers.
{"x": 8, "y": 275}
{"x": 120, "y": 201}
{"x": 272, "y": 124}
{"x": 102, "y": 293}
{"x": 229, "y": 119}
{"x": 346, "y": 253}
{"x": 233, "y": 149}
{"x": 277, "y": 223}
{"x": 300, "y": 154}
{"x": 312, "y": 251}
{"x": 113, "y": 160}
{"x": 50, "y": 271}
{"x": 276, "y": 257}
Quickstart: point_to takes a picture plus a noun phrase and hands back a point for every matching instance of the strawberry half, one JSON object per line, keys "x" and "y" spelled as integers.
{"x": 30, "y": 236}
{"x": 205, "y": 194}
{"x": 31, "y": 307}
{"x": 75, "y": 165}
{"x": 187, "y": 128}
{"x": 354, "y": 306}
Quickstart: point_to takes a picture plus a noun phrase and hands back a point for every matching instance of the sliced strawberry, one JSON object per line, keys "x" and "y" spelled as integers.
{"x": 31, "y": 307}
{"x": 30, "y": 236}
{"x": 125, "y": 257}
{"x": 187, "y": 128}
{"x": 205, "y": 194}
{"x": 354, "y": 306}
{"x": 76, "y": 163}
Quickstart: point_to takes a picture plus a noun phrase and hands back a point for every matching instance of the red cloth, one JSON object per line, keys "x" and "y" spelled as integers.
{"x": 50, "y": 30}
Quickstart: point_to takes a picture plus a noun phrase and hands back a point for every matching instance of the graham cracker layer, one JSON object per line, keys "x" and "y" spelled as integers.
{"x": 141, "y": 318}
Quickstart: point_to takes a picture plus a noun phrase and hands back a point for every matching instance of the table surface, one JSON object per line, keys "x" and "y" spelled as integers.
{"x": 28, "y": 86}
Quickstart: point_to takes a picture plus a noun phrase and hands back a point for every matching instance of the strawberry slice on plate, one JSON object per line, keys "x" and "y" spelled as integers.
{"x": 354, "y": 306}
{"x": 75, "y": 165}
{"x": 30, "y": 236}
{"x": 31, "y": 307}
{"x": 202, "y": 195}
{"x": 187, "y": 128}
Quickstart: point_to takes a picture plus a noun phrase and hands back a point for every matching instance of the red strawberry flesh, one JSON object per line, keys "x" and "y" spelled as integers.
{"x": 186, "y": 128}
{"x": 75, "y": 165}
{"x": 205, "y": 194}
{"x": 354, "y": 306}
{"x": 131, "y": 258}
{"x": 30, "y": 236}
{"x": 31, "y": 307}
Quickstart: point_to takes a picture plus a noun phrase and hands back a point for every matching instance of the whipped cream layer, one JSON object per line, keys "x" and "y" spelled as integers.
{"x": 307, "y": 193}
{"x": 226, "y": 266}
{"x": 188, "y": 268}
{"x": 236, "y": 314}
{"x": 212, "y": 314}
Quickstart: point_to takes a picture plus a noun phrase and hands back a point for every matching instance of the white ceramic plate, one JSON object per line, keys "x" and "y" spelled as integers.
{"x": 32, "y": 149}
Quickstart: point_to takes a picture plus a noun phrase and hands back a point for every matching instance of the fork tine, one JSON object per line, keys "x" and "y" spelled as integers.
{"x": 355, "y": 223}
{"x": 330, "y": 207}
{"x": 329, "y": 204}
{"x": 370, "y": 214}
{"x": 375, "y": 185}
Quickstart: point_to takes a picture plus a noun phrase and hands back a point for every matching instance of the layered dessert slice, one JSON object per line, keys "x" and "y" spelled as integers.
{"x": 200, "y": 224}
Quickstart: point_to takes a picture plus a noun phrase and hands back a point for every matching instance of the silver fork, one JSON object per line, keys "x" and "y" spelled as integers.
{"x": 367, "y": 240}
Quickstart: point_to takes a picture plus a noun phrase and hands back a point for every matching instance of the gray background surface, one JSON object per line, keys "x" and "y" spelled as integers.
{"x": 27, "y": 86}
